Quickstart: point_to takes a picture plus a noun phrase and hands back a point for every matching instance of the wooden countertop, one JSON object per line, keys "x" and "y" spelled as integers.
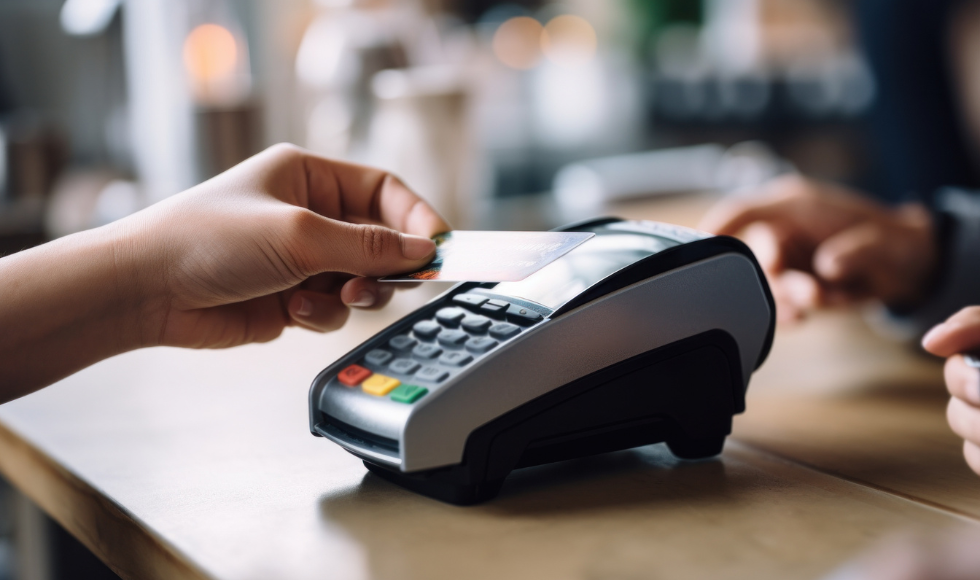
{"x": 174, "y": 463}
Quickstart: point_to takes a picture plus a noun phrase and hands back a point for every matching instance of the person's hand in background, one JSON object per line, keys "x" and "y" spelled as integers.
{"x": 285, "y": 238}
{"x": 822, "y": 244}
{"x": 944, "y": 555}
{"x": 961, "y": 334}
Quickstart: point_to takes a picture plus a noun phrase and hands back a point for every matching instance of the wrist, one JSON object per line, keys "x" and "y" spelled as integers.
{"x": 140, "y": 283}
{"x": 70, "y": 303}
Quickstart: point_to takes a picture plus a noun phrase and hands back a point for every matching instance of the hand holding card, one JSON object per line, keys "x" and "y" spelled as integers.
{"x": 470, "y": 256}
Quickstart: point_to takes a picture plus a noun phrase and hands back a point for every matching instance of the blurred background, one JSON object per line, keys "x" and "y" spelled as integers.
{"x": 505, "y": 115}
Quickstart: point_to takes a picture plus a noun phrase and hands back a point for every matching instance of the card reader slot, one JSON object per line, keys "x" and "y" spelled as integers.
{"x": 358, "y": 441}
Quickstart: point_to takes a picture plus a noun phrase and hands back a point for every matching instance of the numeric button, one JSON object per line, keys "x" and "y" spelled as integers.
{"x": 379, "y": 357}
{"x": 456, "y": 358}
{"x": 476, "y": 324}
{"x": 432, "y": 374}
{"x": 504, "y": 330}
{"x": 480, "y": 344}
{"x": 452, "y": 337}
{"x": 402, "y": 342}
{"x": 404, "y": 366}
{"x": 426, "y": 329}
{"x": 427, "y": 351}
{"x": 450, "y": 316}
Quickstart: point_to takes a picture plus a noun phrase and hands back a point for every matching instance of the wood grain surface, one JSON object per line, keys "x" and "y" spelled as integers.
{"x": 175, "y": 463}
{"x": 837, "y": 398}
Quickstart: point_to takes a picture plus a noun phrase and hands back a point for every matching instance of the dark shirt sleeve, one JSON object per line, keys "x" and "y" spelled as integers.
{"x": 959, "y": 280}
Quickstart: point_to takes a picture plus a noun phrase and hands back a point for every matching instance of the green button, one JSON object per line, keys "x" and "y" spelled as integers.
{"x": 408, "y": 393}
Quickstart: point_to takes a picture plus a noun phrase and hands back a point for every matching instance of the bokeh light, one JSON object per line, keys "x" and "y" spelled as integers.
{"x": 210, "y": 54}
{"x": 87, "y": 17}
{"x": 517, "y": 42}
{"x": 569, "y": 40}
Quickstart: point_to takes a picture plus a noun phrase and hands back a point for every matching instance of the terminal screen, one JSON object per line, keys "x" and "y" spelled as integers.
{"x": 593, "y": 261}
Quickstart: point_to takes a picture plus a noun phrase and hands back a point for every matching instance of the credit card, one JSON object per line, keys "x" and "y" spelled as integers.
{"x": 468, "y": 256}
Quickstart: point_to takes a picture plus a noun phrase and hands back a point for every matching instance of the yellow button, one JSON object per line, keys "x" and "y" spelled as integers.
{"x": 379, "y": 385}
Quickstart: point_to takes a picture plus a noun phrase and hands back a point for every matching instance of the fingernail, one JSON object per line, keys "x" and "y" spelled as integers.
{"x": 416, "y": 247}
{"x": 305, "y": 307}
{"x": 364, "y": 299}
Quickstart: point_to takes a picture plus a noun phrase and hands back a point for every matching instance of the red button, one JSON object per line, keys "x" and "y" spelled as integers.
{"x": 353, "y": 375}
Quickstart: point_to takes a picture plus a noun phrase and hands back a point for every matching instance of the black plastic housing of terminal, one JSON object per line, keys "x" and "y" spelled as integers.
{"x": 684, "y": 394}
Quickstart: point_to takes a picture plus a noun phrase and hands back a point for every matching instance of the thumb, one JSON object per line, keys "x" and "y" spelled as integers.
{"x": 959, "y": 333}
{"x": 363, "y": 250}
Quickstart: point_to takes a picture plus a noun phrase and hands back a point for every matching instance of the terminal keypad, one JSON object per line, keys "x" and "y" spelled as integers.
{"x": 432, "y": 374}
{"x": 495, "y": 308}
{"x": 379, "y": 385}
{"x": 473, "y": 300}
{"x": 427, "y": 329}
{"x": 402, "y": 342}
{"x": 408, "y": 393}
{"x": 480, "y": 344}
{"x": 453, "y": 338}
{"x": 437, "y": 347}
{"x": 379, "y": 357}
{"x": 522, "y": 316}
{"x": 353, "y": 375}
{"x": 456, "y": 358}
{"x": 504, "y": 330}
{"x": 476, "y": 324}
{"x": 404, "y": 366}
{"x": 426, "y": 351}
{"x": 450, "y": 316}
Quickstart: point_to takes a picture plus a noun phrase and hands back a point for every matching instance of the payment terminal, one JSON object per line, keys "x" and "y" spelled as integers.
{"x": 645, "y": 333}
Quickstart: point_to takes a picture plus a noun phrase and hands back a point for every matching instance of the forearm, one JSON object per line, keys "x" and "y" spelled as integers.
{"x": 273, "y": 242}
{"x": 68, "y": 304}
